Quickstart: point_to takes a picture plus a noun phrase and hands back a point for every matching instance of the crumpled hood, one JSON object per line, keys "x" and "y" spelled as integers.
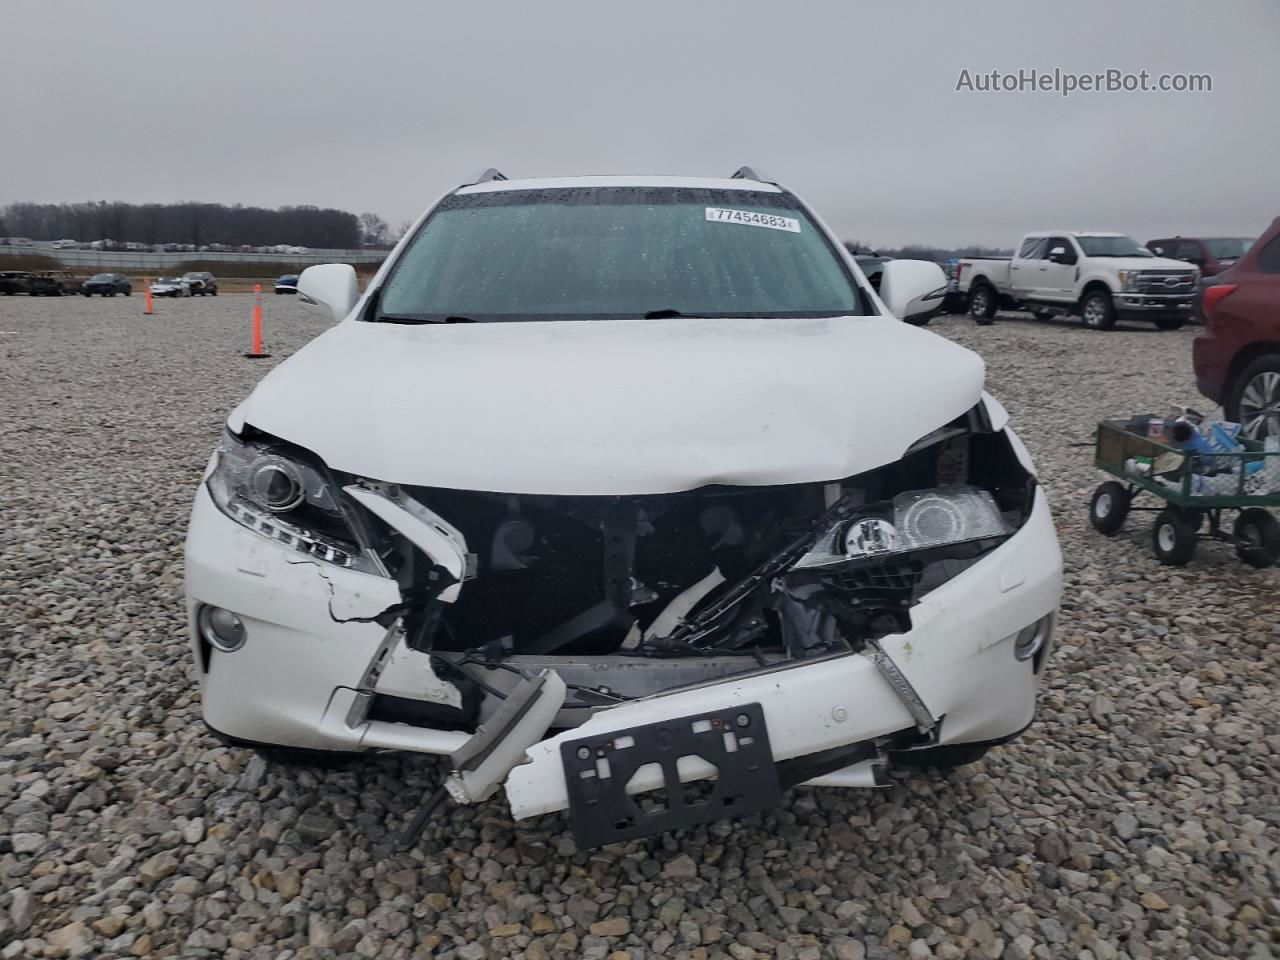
{"x": 615, "y": 407}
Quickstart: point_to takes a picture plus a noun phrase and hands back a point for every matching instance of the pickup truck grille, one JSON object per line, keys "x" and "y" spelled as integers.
{"x": 1166, "y": 281}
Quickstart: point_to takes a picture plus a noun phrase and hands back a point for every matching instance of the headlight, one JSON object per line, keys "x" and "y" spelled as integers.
{"x": 1129, "y": 280}
{"x": 285, "y": 500}
{"x": 918, "y": 520}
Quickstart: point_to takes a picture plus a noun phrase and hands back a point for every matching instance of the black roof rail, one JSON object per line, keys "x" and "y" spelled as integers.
{"x": 493, "y": 173}
{"x": 747, "y": 173}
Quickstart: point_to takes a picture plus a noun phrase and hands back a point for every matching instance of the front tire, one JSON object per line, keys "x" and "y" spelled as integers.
{"x": 941, "y": 758}
{"x": 1097, "y": 311}
{"x": 1257, "y": 538}
{"x": 982, "y": 304}
{"x": 1109, "y": 507}
{"x": 1254, "y": 398}
{"x": 304, "y": 758}
{"x": 1173, "y": 538}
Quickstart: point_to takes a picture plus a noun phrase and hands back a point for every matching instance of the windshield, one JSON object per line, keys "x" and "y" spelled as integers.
{"x": 1229, "y": 248}
{"x": 600, "y": 253}
{"x": 1111, "y": 247}
{"x": 101, "y": 276}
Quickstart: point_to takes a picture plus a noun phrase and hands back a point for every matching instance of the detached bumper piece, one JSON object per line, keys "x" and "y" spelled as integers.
{"x": 599, "y": 769}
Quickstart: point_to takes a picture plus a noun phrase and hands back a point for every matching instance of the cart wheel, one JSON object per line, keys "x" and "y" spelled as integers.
{"x": 1173, "y": 538}
{"x": 1257, "y": 537}
{"x": 1109, "y": 507}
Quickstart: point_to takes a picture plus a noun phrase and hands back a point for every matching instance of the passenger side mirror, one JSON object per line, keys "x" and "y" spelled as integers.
{"x": 1062, "y": 255}
{"x": 330, "y": 286}
{"x": 912, "y": 288}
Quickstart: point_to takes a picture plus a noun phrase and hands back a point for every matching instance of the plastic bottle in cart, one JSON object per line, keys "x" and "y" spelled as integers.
{"x": 1155, "y": 430}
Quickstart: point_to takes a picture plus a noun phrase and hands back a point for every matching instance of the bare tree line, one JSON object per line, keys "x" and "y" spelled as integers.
{"x": 918, "y": 251}
{"x": 197, "y": 224}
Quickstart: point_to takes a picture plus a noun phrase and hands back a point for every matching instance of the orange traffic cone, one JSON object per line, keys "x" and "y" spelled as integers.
{"x": 146, "y": 290}
{"x": 259, "y": 351}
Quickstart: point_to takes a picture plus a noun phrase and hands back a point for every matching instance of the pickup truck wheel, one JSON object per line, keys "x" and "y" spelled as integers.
{"x": 982, "y": 304}
{"x": 1097, "y": 310}
{"x": 1171, "y": 323}
{"x": 1254, "y": 399}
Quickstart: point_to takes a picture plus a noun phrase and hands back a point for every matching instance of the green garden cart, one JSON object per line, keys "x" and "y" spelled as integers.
{"x": 1195, "y": 487}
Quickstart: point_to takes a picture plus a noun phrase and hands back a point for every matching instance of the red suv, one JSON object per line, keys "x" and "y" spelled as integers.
{"x": 1237, "y": 357}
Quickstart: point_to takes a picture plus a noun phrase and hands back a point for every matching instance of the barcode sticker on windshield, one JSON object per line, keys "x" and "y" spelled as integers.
{"x": 720, "y": 215}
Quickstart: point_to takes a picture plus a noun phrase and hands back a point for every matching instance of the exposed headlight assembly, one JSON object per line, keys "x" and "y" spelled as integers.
{"x": 285, "y": 500}
{"x": 913, "y": 521}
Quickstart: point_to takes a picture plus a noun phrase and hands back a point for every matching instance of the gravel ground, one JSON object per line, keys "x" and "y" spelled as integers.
{"x": 1138, "y": 818}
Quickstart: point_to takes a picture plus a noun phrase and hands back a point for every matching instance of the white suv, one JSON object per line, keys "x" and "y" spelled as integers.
{"x": 642, "y": 460}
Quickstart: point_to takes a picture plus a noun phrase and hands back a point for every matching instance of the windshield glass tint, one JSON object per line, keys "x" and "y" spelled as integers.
{"x": 618, "y": 252}
{"x": 1111, "y": 247}
{"x": 101, "y": 276}
{"x": 1229, "y": 248}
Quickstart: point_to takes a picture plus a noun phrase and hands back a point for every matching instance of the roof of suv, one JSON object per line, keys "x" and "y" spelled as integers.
{"x": 553, "y": 183}
{"x": 1075, "y": 233}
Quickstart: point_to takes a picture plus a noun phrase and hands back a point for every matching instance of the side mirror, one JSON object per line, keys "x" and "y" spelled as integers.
{"x": 912, "y": 288}
{"x": 1061, "y": 255}
{"x": 330, "y": 286}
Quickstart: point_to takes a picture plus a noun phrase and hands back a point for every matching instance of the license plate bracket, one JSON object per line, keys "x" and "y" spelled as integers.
{"x": 597, "y": 769}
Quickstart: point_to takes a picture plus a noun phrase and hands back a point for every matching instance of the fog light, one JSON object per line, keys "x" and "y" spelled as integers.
{"x": 221, "y": 628}
{"x": 1031, "y": 639}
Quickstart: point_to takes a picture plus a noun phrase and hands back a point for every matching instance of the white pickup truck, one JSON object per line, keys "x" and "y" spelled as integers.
{"x": 1101, "y": 277}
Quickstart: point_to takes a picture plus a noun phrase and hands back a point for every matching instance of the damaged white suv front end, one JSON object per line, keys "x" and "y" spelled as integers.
{"x": 631, "y": 497}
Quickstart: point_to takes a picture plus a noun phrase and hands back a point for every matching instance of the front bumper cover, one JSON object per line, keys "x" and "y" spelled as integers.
{"x": 294, "y": 682}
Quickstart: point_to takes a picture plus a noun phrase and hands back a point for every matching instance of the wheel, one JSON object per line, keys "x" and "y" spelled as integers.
{"x": 1257, "y": 537}
{"x": 1097, "y": 311}
{"x": 302, "y": 757}
{"x": 1253, "y": 400}
{"x": 982, "y": 304}
{"x": 1109, "y": 507}
{"x": 1171, "y": 323}
{"x": 1173, "y": 538}
{"x": 941, "y": 758}
{"x": 84, "y": 293}
{"x": 128, "y": 291}
{"x": 109, "y": 293}
{"x": 215, "y": 291}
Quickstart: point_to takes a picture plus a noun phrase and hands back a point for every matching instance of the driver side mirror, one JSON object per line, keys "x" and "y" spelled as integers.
{"x": 912, "y": 289}
{"x": 1062, "y": 255}
{"x": 330, "y": 286}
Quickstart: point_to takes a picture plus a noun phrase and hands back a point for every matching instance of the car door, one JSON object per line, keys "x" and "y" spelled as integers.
{"x": 1024, "y": 268}
{"x": 1058, "y": 274}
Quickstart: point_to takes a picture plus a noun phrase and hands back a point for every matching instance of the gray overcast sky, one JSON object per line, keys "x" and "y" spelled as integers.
{"x": 384, "y": 105}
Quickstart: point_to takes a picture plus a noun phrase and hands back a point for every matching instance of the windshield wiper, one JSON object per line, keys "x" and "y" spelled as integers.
{"x": 418, "y": 318}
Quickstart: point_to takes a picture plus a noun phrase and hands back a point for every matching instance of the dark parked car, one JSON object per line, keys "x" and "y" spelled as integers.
{"x": 15, "y": 281}
{"x": 49, "y": 284}
{"x": 1211, "y": 254}
{"x": 1237, "y": 356}
{"x": 107, "y": 284}
{"x": 202, "y": 283}
{"x": 287, "y": 284}
{"x": 872, "y": 266}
